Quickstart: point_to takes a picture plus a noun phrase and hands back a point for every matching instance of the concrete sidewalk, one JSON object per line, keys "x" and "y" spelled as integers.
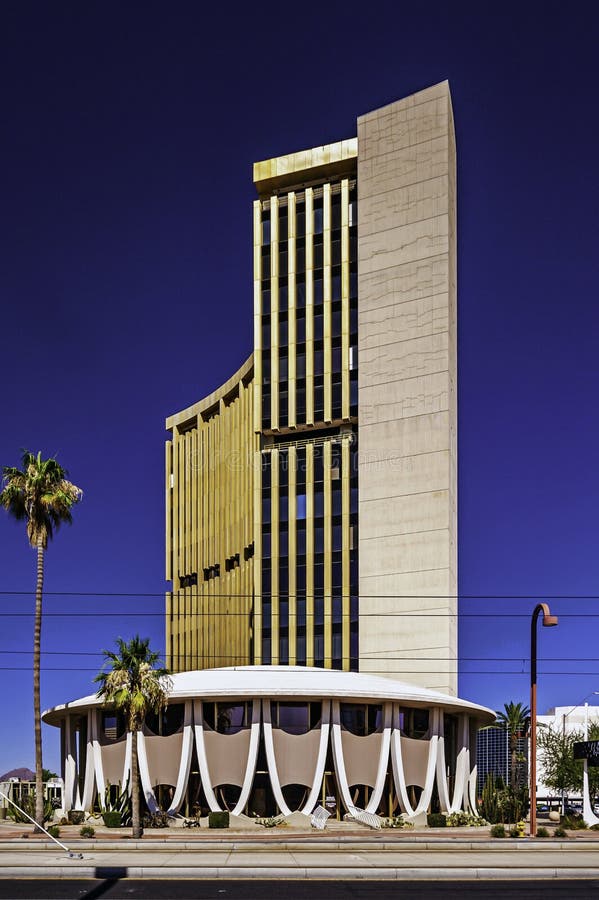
{"x": 297, "y": 857}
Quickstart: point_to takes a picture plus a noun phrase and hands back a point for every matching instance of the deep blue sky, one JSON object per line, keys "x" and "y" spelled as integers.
{"x": 128, "y": 134}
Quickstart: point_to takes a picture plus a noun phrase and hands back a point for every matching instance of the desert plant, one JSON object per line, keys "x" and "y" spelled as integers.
{"x": 28, "y": 805}
{"x": 436, "y": 820}
{"x": 462, "y": 818}
{"x": 87, "y": 831}
{"x": 395, "y": 822}
{"x": 54, "y": 831}
{"x": 573, "y": 822}
{"x": 157, "y": 819}
{"x": 498, "y": 831}
{"x": 76, "y": 816}
{"x": 542, "y": 832}
{"x": 112, "y": 819}
{"x": 560, "y": 832}
{"x": 117, "y": 799}
{"x": 503, "y": 804}
{"x": 218, "y": 820}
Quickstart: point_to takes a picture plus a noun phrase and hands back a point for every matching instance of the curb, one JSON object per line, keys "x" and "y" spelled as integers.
{"x": 340, "y": 873}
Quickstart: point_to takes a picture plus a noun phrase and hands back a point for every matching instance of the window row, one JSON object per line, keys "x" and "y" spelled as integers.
{"x": 300, "y": 218}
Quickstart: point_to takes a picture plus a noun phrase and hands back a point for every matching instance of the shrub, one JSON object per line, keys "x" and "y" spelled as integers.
{"x": 87, "y": 831}
{"x": 395, "y": 822}
{"x": 560, "y": 832}
{"x": 436, "y": 820}
{"x": 574, "y": 823}
{"x": 117, "y": 799}
{"x": 514, "y": 833}
{"x": 500, "y": 803}
{"x": 76, "y": 817}
{"x": 270, "y": 821}
{"x": 54, "y": 831}
{"x": 542, "y": 832}
{"x": 498, "y": 831}
{"x": 158, "y": 819}
{"x": 112, "y": 819}
{"x": 218, "y": 820}
{"x": 461, "y": 818}
{"x": 27, "y": 804}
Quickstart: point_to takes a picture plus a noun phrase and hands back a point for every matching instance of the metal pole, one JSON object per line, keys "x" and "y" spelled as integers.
{"x": 548, "y": 619}
{"x": 33, "y": 822}
{"x": 533, "y": 723}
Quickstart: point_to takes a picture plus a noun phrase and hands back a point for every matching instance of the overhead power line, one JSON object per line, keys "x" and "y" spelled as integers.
{"x": 183, "y": 593}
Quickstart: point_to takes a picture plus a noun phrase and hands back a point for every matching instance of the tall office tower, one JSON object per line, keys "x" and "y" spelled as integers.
{"x": 354, "y": 416}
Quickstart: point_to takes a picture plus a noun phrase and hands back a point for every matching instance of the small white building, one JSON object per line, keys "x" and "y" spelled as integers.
{"x": 268, "y": 739}
{"x": 564, "y": 719}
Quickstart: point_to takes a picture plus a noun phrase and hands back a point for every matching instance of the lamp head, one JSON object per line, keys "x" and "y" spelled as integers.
{"x": 549, "y": 620}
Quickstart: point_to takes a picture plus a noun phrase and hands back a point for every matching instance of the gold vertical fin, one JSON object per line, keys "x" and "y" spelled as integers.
{"x": 292, "y": 524}
{"x": 327, "y": 311}
{"x": 345, "y": 320}
{"x": 310, "y": 554}
{"x": 328, "y": 555}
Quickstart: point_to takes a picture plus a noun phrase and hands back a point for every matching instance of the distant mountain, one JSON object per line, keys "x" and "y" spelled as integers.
{"x": 21, "y": 774}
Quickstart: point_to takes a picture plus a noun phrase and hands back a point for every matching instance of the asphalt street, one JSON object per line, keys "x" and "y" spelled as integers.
{"x": 193, "y": 889}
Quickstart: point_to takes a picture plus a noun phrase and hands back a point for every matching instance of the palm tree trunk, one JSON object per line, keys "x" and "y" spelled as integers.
{"x": 37, "y": 713}
{"x": 136, "y": 829}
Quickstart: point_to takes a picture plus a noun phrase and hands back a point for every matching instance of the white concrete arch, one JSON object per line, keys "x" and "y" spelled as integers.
{"x": 185, "y": 762}
{"x": 271, "y": 758}
{"x": 250, "y": 769}
{"x": 472, "y": 792}
{"x": 198, "y": 718}
{"x": 69, "y": 800}
{"x": 90, "y": 779}
{"x": 340, "y": 770}
{"x": 453, "y": 804}
{"x": 144, "y": 773}
{"x": 325, "y": 718}
{"x": 398, "y": 768}
{"x": 126, "y": 779}
{"x": 377, "y": 793}
{"x": 97, "y": 753}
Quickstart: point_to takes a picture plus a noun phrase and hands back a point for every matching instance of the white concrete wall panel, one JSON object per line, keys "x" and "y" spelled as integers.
{"x": 296, "y": 756}
{"x": 407, "y": 388}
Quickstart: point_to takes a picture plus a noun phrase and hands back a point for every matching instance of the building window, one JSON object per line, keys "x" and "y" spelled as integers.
{"x": 295, "y": 718}
{"x": 362, "y": 719}
{"x": 353, "y": 213}
{"x": 113, "y": 725}
{"x": 301, "y": 506}
{"x": 265, "y": 231}
{"x": 227, "y": 718}
{"x": 414, "y": 723}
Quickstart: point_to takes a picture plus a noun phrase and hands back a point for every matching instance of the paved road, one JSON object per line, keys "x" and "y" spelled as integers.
{"x": 133, "y": 889}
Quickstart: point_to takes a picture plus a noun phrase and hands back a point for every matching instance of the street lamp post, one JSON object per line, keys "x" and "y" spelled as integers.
{"x": 548, "y": 620}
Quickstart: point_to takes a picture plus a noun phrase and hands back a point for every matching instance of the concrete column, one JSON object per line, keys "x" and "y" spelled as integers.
{"x": 407, "y": 390}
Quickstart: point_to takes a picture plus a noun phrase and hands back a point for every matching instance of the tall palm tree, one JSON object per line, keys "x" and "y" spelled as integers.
{"x": 136, "y": 687}
{"x": 515, "y": 718}
{"x": 40, "y": 495}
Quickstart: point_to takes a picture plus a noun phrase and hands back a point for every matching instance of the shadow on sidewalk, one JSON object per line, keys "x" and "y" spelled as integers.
{"x": 111, "y": 875}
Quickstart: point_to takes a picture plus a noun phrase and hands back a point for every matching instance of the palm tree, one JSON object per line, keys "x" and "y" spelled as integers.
{"x": 515, "y": 718}
{"x": 136, "y": 687}
{"x": 40, "y": 495}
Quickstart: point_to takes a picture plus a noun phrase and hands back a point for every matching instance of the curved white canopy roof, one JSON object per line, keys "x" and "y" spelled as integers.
{"x": 291, "y": 682}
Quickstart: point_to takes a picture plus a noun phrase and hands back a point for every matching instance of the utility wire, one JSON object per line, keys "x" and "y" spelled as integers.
{"x": 181, "y": 594}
